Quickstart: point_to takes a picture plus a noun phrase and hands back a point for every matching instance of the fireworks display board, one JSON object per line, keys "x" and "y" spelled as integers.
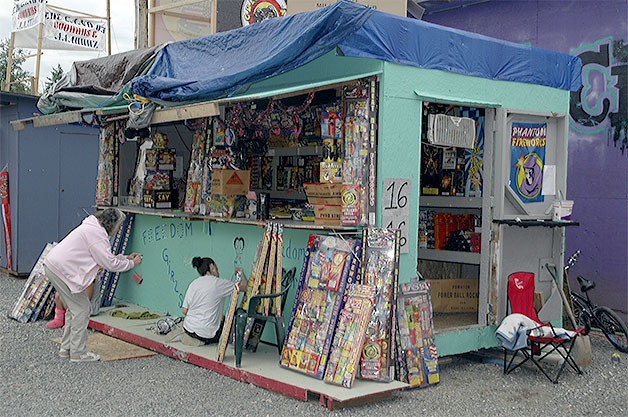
{"x": 350, "y": 335}
{"x": 106, "y": 156}
{"x": 330, "y": 264}
{"x": 109, "y": 280}
{"x": 35, "y": 293}
{"x": 256, "y": 280}
{"x": 266, "y": 278}
{"x": 418, "y": 358}
{"x": 380, "y": 268}
{"x": 358, "y": 165}
{"x": 195, "y": 171}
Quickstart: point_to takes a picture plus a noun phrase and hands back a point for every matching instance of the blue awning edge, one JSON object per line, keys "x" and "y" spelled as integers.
{"x": 427, "y": 45}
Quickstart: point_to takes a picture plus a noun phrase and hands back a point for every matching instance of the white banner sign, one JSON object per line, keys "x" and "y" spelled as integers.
{"x": 63, "y": 31}
{"x": 27, "y": 14}
{"x": 74, "y": 32}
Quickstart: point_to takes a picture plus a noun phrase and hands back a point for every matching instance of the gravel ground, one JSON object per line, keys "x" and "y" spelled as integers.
{"x": 35, "y": 382}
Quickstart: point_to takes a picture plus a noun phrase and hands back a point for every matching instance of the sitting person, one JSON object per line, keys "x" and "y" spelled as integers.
{"x": 203, "y": 304}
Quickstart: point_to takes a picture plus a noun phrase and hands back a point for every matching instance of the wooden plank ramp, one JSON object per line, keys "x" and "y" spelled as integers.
{"x": 260, "y": 368}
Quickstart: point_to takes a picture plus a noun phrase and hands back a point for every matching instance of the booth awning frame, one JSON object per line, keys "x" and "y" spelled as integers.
{"x": 186, "y": 111}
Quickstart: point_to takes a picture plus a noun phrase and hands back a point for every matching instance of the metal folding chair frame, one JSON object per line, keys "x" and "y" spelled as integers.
{"x": 538, "y": 348}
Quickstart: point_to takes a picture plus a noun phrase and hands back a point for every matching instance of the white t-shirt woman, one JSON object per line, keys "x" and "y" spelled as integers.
{"x": 204, "y": 301}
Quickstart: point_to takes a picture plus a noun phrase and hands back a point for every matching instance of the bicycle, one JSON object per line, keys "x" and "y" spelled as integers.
{"x": 589, "y": 314}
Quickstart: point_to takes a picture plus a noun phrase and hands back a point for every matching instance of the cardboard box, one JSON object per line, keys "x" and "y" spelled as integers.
{"x": 454, "y": 295}
{"x": 157, "y": 199}
{"x": 231, "y": 182}
{"x": 327, "y": 214}
{"x": 323, "y": 193}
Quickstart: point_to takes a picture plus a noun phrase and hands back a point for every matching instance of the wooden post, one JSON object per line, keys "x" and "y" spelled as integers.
{"x": 40, "y": 38}
{"x": 213, "y": 24}
{"x": 108, "y": 27}
{"x": 151, "y": 24}
{"x": 141, "y": 23}
{"x": 7, "y": 79}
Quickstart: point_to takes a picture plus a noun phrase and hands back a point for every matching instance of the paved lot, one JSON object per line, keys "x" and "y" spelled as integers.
{"x": 35, "y": 382}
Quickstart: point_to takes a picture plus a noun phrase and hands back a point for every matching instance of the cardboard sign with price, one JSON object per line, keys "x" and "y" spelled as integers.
{"x": 396, "y": 208}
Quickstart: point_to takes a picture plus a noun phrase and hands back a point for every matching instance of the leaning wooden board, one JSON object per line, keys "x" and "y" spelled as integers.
{"x": 226, "y": 329}
{"x": 256, "y": 277}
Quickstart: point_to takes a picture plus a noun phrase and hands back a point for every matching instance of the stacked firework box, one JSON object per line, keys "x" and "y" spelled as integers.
{"x": 36, "y": 292}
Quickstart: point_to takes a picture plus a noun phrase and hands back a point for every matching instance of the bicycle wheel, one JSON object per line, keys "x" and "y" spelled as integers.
{"x": 613, "y": 327}
{"x": 583, "y": 318}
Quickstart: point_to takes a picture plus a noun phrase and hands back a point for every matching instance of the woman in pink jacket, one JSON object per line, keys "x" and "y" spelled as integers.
{"x": 71, "y": 267}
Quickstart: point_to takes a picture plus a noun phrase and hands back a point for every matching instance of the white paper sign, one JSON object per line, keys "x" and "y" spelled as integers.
{"x": 549, "y": 180}
{"x": 396, "y": 208}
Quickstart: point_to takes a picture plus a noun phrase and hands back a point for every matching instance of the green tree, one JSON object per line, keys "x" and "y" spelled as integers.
{"x": 20, "y": 79}
{"x": 55, "y": 75}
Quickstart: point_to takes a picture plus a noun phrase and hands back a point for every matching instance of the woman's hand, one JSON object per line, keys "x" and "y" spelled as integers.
{"x": 137, "y": 258}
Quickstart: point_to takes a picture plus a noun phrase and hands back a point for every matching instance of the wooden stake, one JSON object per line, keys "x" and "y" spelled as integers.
{"x": 40, "y": 38}
{"x": 7, "y": 79}
{"x": 108, "y": 27}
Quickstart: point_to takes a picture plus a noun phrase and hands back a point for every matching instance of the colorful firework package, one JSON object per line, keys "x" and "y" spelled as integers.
{"x": 380, "y": 269}
{"x": 417, "y": 360}
{"x": 329, "y": 265}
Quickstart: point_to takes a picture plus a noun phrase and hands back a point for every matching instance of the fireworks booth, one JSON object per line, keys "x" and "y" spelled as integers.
{"x": 363, "y": 148}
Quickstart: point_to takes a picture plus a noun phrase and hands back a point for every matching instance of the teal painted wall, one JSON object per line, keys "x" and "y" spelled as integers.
{"x": 168, "y": 246}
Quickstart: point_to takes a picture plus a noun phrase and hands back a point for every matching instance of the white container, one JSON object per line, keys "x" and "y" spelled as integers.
{"x": 561, "y": 210}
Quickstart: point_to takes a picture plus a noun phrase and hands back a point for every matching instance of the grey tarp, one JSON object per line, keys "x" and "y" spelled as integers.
{"x": 90, "y": 83}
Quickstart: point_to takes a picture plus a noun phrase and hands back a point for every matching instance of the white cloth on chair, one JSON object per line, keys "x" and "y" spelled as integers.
{"x": 512, "y": 333}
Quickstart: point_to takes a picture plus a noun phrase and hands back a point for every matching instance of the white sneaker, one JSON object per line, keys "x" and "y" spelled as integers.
{"x": 64, "y": 353}
{"x": 86, "y": 357}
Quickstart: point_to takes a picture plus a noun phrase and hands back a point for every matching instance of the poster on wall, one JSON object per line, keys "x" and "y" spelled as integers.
{"x": 255, "y": 11}
{"x": 527, "y": 159}
{"x": 176, "y": 20}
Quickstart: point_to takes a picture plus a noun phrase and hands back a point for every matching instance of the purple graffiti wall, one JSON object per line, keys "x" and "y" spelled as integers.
{"x": 597, "y": 32}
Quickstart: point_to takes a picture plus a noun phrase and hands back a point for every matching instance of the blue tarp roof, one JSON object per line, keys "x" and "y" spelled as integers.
{"x": 220, "y": 65}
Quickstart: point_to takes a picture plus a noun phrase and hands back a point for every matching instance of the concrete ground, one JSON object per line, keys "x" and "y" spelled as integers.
{"x": 35, "y": 382}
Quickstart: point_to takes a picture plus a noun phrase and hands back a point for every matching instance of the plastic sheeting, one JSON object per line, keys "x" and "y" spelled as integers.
{"x": 90, "y": 83}
{"x": 426, "y": 45}
{"x": 220, "y": 65}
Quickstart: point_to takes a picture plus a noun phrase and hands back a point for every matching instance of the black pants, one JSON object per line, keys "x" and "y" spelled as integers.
{"x": 205, "y": 340}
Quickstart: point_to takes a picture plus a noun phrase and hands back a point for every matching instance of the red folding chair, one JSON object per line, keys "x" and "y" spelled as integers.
{"x": 542, "y": 340}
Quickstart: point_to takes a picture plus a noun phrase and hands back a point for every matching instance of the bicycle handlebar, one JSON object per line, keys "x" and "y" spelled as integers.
{"x": 572, "y": 260}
